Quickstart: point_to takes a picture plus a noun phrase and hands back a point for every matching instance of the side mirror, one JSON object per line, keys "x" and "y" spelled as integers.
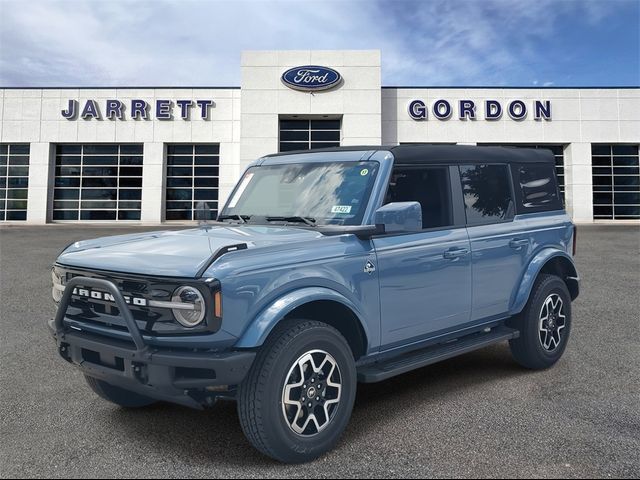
{"x": 400, "y": 217}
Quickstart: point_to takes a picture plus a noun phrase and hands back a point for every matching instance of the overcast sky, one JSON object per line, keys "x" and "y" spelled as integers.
{"x": 198, "y": 43}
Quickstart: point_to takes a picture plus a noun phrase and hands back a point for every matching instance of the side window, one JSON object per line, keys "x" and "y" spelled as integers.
{"x": 487, "y": 193}
{"x": 538, "y": 189}
{"x": 427, "y": 185}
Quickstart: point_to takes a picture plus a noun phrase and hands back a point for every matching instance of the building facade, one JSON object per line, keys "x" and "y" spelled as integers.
{"x": 149, "y": 155}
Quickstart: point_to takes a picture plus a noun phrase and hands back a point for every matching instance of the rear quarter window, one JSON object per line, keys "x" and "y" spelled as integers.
{"x": 536, "y": 188}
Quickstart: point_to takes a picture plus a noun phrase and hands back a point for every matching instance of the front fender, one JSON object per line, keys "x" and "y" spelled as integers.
{"x": 260, "y": 328}
{"x": 530, "y": 275}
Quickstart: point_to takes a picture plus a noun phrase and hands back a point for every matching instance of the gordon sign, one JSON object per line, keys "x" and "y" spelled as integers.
{"x": 491, "y": 109}
{"x": 311, "y": 78}
{"x": 137, "y": 109}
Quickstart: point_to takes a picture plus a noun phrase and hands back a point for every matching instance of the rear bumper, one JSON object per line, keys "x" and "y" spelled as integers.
{"x": 187, "y": 377}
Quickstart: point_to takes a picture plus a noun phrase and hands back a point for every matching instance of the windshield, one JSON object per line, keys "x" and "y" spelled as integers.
{"x": 325, "y": 193}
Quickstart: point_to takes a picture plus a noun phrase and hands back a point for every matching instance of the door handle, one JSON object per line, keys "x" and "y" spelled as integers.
{"x": 518, "y": 243}
{"x": 454, "y": 253}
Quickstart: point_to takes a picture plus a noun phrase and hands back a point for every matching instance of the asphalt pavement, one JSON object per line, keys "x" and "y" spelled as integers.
{"x": 478, "y": 415}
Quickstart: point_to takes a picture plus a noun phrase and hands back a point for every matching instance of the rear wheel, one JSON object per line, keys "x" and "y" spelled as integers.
{"x": 117, "y": 395}
{"x": 544, "y": 324}
{"x": 298, "y": 397}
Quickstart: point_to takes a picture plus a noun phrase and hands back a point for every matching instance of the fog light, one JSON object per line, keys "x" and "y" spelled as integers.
{"x": 193, "y": 312}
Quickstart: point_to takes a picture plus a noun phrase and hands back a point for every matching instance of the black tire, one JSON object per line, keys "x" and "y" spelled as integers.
{"x": 529, "y": 349}
{"x": 260, "y": 396}
{"x": 117, "y": 395}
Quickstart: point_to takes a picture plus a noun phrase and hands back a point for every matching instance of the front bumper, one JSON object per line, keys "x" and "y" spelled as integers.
{"x": 190, "y": 378}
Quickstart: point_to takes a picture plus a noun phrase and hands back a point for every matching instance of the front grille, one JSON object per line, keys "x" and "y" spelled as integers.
{"x": 150, "y": 320}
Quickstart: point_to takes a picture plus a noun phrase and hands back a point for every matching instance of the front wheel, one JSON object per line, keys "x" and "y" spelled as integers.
{"x": 544, "y": 324}
{"x": 297, "y": 399}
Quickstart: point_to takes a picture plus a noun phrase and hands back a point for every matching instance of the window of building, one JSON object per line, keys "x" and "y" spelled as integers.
{"x": 98, "y": 182}
{"x": 536, "y": 187}
{"x": 616, "y": 182}
{"x": 14, "y": 181}
{"x": 308, "y": 134}
{"x": 487, "y": 193}
{"x": 192, "y": 177}
{"x": 558, "y": 153}
{"x": 427, "y": 185}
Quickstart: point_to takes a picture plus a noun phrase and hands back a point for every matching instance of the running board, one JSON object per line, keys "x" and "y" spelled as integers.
{"x": 377, "y": 372}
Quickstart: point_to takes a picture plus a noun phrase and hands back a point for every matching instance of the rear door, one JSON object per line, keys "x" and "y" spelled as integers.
{"x": 499, "y": 244}
{"x": 425, "y": 277}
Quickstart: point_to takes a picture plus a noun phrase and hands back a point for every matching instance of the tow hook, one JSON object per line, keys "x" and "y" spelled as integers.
{"x": 63, "y": 349}
{"x": 140, "y": 372}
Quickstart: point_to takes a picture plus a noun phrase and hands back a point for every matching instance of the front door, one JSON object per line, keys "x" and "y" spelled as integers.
{"x": 425, "y": 277}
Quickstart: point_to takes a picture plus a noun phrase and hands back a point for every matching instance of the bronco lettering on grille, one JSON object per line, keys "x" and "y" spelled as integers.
{"x": 107, "y": 297}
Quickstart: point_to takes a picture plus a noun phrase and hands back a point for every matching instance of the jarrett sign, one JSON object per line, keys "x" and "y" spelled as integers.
{"x": 488, "y": 110}
{"x": 137, "y": 109}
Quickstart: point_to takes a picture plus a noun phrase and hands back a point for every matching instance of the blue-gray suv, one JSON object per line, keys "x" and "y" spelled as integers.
{"x": 325, "y": 269}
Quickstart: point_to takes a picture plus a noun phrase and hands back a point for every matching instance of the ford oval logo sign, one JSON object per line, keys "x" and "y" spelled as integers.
{"x": 311, "y": 78}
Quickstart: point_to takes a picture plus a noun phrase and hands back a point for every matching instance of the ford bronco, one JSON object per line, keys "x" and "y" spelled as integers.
{"x": 325, "y": 269}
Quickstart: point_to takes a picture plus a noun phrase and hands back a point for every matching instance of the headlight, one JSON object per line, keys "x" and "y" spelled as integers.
{"x": 57, "y": 289}
{"x": 194, "y": 307}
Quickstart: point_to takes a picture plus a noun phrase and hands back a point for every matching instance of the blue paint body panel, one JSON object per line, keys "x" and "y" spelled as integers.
{"x": 254, "y": 279}
{"x": 421, "y": 291}
{"x": 172, "y": 253}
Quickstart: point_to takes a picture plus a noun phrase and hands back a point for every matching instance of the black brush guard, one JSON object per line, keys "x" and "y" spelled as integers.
{"x": 172, "y": 375}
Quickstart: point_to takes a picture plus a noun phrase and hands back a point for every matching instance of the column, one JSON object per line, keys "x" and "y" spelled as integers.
{"x": 41, "y": 177}
{"x": 153, "y": 180}
{"x": 578, "y": 181}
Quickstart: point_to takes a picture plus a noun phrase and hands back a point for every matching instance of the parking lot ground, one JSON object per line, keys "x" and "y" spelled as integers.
{"x": 478, "y": 415}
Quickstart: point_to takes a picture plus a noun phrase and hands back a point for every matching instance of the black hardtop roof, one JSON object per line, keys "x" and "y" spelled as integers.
{"x": 430, "y": 153}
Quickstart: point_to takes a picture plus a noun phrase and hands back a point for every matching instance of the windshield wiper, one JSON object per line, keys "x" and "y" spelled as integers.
{"x": 241, "y": 218}
{"x": 294, "y": 219}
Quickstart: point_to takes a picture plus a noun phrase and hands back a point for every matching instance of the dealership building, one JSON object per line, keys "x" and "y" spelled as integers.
{"x": 136, "y": 155}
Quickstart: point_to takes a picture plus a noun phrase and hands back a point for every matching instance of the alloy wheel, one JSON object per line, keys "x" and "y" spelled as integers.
{"x": 552, "y": 322}
{"x": 311, "y": 393}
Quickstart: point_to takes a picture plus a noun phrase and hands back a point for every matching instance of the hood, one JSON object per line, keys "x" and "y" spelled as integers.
{"x": 180, "y": 253}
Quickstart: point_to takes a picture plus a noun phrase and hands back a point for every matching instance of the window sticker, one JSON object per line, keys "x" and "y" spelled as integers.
{"x": 364, "y": 172}
{"x": 341, "y": 209}
{"x": 243, "y": 186}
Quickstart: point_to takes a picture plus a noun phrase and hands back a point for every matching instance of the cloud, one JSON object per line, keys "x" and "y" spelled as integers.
{"x": 477, "y": 42}
{"x": 189, "y": 43}
{"x": 161, "y": 42}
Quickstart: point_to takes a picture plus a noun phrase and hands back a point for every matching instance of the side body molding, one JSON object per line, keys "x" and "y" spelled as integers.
{"x": 260, "y": 328}
{"x": 530, "y": 275}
